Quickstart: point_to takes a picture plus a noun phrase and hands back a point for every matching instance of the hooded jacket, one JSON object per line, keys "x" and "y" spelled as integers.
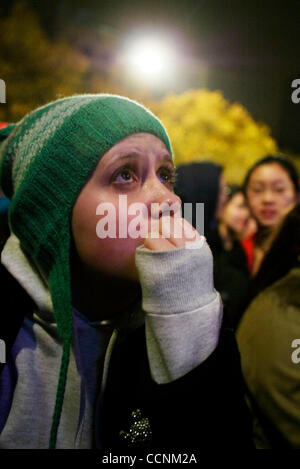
{"x": 28, "y": 380}
{"x": 148, "y": 368}
{"x": 199, "y": 182}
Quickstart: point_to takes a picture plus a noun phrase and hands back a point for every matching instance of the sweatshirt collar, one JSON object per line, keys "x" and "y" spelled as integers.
{"x": 29, "y": 276}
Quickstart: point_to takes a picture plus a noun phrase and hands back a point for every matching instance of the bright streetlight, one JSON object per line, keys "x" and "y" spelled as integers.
{"x": 150, "y": 59}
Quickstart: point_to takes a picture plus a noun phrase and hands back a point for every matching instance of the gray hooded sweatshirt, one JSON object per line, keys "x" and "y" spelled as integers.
{"x": 182, "y": 313}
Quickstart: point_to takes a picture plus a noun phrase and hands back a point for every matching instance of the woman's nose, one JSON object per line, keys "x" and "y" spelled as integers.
{"x": 163, "y": 200}
{"x": 268, "y": 196}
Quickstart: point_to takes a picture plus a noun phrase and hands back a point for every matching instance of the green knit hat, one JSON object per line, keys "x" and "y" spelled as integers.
{"x": 45, "y": 159}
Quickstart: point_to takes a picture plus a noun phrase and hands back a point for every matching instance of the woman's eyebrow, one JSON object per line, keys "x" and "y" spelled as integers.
{"x": 132, "y": 156}
{"x": 137, "y": 155}
{"x": 272, "y": 183}
{"x": 168, "y": 158}
{"x": 257, "y": 183}
{"x": 279, "y": 181}
{"x": 122, "y": 157}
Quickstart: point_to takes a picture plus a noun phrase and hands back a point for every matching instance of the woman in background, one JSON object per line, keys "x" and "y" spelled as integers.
{"x": 271, "y": 187}
{"x": 231, "y": 273}
{"x": 236, "y": 222}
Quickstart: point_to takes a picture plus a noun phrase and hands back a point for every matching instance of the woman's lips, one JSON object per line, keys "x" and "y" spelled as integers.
{"x": 268, "y": 213}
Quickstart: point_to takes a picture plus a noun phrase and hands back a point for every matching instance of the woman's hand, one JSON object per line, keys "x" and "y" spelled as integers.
{"x": 169, "y": 233}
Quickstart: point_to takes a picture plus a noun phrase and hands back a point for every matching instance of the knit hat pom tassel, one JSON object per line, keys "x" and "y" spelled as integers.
{"x": 60, "y": 276}
{"x": 60, "y": 392}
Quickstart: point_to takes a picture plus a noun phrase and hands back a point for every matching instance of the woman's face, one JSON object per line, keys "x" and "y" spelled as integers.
{"x": 270, "y": 192}
{"x": 236, "y": 214}
{"x": 138, "y": 167}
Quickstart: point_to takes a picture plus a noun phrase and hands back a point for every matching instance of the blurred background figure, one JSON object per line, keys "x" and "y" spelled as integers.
{"x": 226, "y": 221}
{"x": 266, "y": 338}
{"x": 202, "y": 182}
{"x": 272, "y": 187}
{"x": 231, "y": 272}
{"x": 236, "y": 221}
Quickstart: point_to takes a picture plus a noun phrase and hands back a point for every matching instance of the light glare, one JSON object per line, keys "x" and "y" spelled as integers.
{"x": 150, "y": 58}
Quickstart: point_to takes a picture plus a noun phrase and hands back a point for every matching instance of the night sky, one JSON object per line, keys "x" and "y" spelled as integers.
{"x": 247, "y": 49}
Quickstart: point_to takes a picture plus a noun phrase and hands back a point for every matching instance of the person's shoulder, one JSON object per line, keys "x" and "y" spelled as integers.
{"x": 271, "y": 322}
{"x": 276, "y": 298}
{"x": 287, "y": 288}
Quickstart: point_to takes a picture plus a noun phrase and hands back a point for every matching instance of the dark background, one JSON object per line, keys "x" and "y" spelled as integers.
{"x": 250, "y": 50}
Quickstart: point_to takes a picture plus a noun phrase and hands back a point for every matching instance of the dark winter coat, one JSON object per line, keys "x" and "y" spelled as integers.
{"x": 231, "y": 276}
{"x": 203, "y": 409}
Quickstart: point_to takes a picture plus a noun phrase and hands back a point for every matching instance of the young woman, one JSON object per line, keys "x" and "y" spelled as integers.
{"x": 231, "y": 273}
{"x": 272, "y": 188}
{"x": 112, "y": 323}
{"x": 236, "y": 222}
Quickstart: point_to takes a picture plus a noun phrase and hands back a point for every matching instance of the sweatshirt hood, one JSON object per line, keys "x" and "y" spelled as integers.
{"x": 29, "y": 276}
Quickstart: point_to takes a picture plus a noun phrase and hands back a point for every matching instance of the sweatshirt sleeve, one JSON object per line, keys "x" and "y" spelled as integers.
{"x": 183, "y": 310}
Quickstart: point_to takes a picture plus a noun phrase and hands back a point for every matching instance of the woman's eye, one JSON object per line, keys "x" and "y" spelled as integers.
{"x": 123, "y": 176}
{"x": 167, "y": 176}
{"x": 256, "y": 189}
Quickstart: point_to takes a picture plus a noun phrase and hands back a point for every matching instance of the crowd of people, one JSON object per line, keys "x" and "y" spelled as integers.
{"x": 255, "y": 240}
{"x": 152, "y": 341}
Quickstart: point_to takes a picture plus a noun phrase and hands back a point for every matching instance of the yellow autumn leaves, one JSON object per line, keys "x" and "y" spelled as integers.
{"x": 204, "y": 126}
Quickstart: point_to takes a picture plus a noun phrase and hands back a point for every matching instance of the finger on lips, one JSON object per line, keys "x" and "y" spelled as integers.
{"x": 171, "y": 232}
